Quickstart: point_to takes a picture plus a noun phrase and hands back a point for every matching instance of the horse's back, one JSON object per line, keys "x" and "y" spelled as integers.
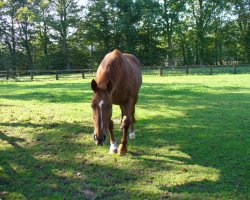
{"x": 132, "y": 59}
{"x": 124, "y": 71}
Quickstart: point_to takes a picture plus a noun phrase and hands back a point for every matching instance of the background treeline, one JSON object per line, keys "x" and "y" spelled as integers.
{"x": 64, "y": 34}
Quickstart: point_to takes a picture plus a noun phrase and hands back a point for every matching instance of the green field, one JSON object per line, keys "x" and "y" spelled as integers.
{"x": 192, "y": 141}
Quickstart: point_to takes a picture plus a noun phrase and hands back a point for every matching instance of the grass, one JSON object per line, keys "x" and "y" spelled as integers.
{"x": 192, "y": 141}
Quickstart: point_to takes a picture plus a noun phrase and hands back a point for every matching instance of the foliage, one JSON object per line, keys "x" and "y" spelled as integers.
{"x": 63, "y": 34}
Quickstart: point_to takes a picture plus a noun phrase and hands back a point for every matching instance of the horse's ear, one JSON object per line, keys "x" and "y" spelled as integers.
{"x": 109, "y": 86}
{"x": 94, "y": 85}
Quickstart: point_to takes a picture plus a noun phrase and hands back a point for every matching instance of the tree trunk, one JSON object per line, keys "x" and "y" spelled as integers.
{"x": 200, "y": 47}
{"x": 45, "y": 39}
{"x": 170, "y": 49}
{"x": 27, "y": 45}
{"x": 220, "y": 53}
{"x": 199, "y": 34}
{"x": 65, "y": 53}
{"x": 29, "y": 55}
{"x": 183, "y": 53}
{"x": 1, "y": 61}
{"x": 247, "y": 43}
{"x": 169, "y": 34}
{"x": 64, "y": 38}
{"x": 13, "y": 41}
{"x": 196, "y": 52}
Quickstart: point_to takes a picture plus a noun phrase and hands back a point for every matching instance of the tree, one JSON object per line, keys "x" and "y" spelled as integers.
{"x": 242, "y": 10}
{"x": 171, "y": 13}
{"x": 66, "y": 17}
{"x": 1, "y": 34}
{"x": 98, "y": 28}
{"x": 43, "y": 19}
{"x": 184, "y": 38}
{"x": 25, "y": 17}
{"x": 149, "y": 47}
{"x": 202, "y": 13}
{"x": 9, "y": 29}
{"x": 128, "y": 13}
{"x": 38, "y": 34}
{"x": 131, "y": 26}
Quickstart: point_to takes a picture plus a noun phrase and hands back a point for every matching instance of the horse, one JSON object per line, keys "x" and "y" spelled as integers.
{"x": 118, "y": 80}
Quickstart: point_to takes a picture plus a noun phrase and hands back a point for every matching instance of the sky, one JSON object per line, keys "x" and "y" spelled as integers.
{"x": 82, "y": 2}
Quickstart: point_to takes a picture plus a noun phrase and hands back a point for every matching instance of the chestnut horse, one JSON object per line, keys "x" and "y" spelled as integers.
{"x": 118, "y": 80}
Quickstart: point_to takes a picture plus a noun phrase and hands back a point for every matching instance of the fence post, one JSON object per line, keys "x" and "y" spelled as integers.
{"x": 31, "y": 75}
{"x": 234, "y": 68}
{"x": 187, "y": 70}
{"x": 211, "y": 69}
{"x": 57, "y": 77}
{"x": 160, "y": 71}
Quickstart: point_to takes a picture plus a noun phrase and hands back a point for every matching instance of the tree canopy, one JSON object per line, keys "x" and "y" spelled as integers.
{"x": 63, "y": 34}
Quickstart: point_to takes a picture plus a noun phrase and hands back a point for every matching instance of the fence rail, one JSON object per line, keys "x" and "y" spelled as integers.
{"x": 169, "y": 70}
{"x": 200, "y": 69}
{"x": 41, "y": 73}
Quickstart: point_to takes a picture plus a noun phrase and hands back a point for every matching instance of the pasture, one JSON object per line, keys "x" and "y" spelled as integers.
{"x": 192, "y": 141}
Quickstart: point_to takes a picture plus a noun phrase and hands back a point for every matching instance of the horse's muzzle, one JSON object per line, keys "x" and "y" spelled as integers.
{"x": 99, "y": 140}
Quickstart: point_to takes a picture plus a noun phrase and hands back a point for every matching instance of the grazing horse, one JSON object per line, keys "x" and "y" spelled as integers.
{"x": 118, "y": 80}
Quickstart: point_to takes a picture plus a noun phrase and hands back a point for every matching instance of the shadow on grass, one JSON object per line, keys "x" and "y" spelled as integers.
{"x": 54, "y": 177}
{"x": 211, "y": 129}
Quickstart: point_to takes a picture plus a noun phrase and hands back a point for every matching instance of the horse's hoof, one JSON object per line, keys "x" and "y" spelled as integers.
{"x": 113, "y": 151}
{"x": 122, "y": 150}
{"x": 113, "y": 147}
{"x": 132, "y": 135}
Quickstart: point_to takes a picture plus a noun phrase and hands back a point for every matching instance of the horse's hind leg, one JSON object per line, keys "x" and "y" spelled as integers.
{"x": 113, "y": 142}
{"x": 132, "y": 130}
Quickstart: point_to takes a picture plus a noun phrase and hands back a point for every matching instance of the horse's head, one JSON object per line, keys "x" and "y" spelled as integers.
{"x": 102, "y": 110}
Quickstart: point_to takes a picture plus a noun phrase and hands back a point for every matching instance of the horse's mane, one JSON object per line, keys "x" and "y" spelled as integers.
{"x": 110, "y": 68}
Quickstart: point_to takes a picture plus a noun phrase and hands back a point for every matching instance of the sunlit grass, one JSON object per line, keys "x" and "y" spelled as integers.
{"x": 192, "y": 141}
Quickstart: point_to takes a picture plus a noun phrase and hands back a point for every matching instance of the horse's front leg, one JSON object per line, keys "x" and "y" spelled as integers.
{"x": 122, "y": 150}
{"x": 113, "y": 142}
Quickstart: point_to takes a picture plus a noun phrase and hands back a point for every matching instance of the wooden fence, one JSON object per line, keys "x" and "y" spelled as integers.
{"x": 170, "y": 70}
{"x": 41, "y": 73}
{"x": 199, "y": 69}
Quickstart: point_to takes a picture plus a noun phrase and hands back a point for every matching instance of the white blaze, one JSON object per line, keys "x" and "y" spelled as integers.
{"x": 100, "y": 105}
